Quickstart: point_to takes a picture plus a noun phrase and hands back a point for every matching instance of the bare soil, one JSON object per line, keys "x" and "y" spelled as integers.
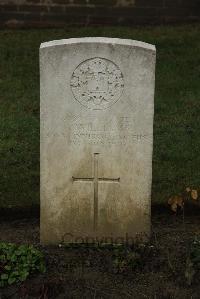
{"x": 89, "y": 273}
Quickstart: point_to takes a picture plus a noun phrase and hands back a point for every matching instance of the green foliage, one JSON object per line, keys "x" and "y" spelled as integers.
{"x": 195, "y": 253}
{"x": 193, "y": 261}
{"x": 17, "y": 262}
{"x": 123, "y": 261}
{"x": 127, "y": 258}
{"x": 122, "y": 257}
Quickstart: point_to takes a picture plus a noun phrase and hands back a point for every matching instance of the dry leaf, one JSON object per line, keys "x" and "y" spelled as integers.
{"x": 174, "y": 207}
{"x": 194, "y": 194}
{"x": 188, "y": 189}
{"x": 170, "y": 200}
{"x": 176, "y": 201}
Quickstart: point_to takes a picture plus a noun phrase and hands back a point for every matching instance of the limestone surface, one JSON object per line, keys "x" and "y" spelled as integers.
{"x": 97, "y": 106}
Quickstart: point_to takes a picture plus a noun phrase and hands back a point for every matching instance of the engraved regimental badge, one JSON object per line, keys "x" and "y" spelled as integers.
{"x": 97, "y": 83}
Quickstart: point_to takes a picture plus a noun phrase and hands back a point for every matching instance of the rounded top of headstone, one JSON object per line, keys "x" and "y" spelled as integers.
{"x": 100, "y": 40}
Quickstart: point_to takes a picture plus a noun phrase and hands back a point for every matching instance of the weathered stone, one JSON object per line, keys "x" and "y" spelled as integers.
{"x": 97, "y": 103}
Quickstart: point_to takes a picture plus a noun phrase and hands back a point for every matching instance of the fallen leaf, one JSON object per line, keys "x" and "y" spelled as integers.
{"x": 194, "y": 194}
{"x": 176, "y": 201}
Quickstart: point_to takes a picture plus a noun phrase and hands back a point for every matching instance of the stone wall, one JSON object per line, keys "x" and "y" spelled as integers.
{"x": 47, "y": 13}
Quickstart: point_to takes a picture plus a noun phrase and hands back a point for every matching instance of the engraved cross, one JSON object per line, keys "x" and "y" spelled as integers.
{"x": 95, "y": 179}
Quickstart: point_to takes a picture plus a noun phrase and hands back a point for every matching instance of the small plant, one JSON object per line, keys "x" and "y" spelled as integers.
{"x": 195, "y": 253}
{"x": 117, "y": 258}
{"x": 193, "y": 261}
{"x": 127, "y": 258}
{"x": 17, "y": 262}
{"x": 178, "y": 201}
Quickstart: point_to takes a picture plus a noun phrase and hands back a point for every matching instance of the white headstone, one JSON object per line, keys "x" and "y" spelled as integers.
{"x": 97, "y": 105}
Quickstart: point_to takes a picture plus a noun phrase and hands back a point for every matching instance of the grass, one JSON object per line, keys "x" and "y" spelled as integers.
{"x": 176, "y": 160}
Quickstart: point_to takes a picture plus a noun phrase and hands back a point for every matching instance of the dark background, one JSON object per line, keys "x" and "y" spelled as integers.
{"x": 56, "y": 13}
